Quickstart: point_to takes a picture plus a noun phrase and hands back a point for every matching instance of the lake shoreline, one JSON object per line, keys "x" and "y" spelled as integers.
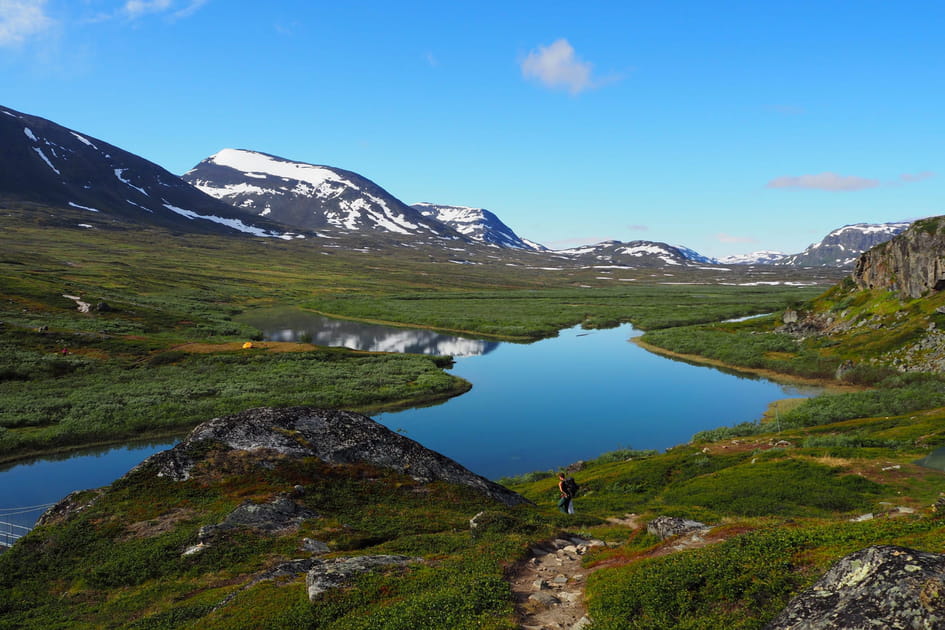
{"x": 184, "y": 429}
{"x": 830, "y": 385}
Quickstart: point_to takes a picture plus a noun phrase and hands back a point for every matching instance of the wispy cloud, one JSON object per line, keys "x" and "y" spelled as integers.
{"x": 638, "y": 228}
{"x": 824, "y": 181}
{"x": 21, "y": 20}
{"x": 558, "y": 67}
{"x": 728, "y": 238}
{"x": 910, "y": 178}
{"x": 432, "y": 61}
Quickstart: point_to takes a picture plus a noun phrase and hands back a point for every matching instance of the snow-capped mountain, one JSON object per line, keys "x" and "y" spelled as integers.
{"x": 478, "y": 224}
{"x": 844, "y": 245}
{"x": 634, "y": 254}
{"x": 309, "y": 196}
{"x": 764, "y": 257}
{"x": 45, "y": 163}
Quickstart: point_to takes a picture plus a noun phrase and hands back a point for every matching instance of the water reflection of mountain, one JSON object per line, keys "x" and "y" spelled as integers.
{"x": 300, "y": 326}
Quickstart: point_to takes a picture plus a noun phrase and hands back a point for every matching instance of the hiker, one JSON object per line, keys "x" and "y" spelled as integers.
{"x": 568, "y": 488}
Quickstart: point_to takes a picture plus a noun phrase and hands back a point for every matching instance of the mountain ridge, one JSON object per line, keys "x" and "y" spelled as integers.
{"x": 44, "y": 162}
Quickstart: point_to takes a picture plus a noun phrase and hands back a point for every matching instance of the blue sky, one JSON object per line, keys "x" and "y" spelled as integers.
{"x": 727, "y": 127}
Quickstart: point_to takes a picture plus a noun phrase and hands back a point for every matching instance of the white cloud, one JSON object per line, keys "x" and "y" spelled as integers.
{"x": 134, "y": 9}
{"x": 137, "y": 8}
{"x": 824, "y": 181}
{"x": 638, "y": 228}
{"x": 22, "y": 19}
{"x": 728, "y": 238}
{"x": 556, "y": 66}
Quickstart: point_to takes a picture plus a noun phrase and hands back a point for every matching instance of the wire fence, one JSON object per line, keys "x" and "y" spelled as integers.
{"x": 10, "y": 532}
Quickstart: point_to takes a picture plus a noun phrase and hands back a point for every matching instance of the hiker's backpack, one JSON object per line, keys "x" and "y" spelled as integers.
{"x": 571, "y": 486}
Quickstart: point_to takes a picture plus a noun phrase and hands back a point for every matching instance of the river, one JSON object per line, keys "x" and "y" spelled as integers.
{"x": 532, "y": 406}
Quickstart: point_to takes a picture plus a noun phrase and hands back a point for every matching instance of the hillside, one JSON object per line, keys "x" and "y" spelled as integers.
{"x": 43, "y": 164}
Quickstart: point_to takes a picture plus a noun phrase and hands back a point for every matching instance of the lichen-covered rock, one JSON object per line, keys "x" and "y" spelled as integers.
{"x": 325, "y": 575}
{"x": 279, "y": 514}
{"x": 337, "y": 437}
{"x": 669, "y": 526}
{"x": 879, "y": 587}
{"x": 70, "y": 505}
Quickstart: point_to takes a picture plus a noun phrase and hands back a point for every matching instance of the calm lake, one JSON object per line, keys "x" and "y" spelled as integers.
{"x": 532, "y": 407}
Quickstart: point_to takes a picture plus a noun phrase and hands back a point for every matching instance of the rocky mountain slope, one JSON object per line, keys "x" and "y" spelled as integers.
{"x": 478, "y": 224}
{"x": 844, "y": 245}
{"x": 44, "y": 163}
{"x": 308, "y": 196}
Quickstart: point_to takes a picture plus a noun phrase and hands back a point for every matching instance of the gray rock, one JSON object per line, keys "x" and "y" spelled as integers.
{"x": 314, "y": 546}
{"x": 543, "y": 598}
{"x": 879, "y": 587}
{"x": 584, "y": 623}
{"x": 669, "y": 526}
{"x": 324, "y": 575}
{"x": 279, "y": 514}
{"x": 337, "y": 437}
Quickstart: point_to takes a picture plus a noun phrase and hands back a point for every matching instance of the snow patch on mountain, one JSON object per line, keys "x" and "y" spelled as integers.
{"x": 763, "y": 257}
{"x": 236, "y": 224}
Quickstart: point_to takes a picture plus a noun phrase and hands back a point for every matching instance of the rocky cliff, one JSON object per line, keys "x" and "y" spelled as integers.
{"x": 912, "y": 264}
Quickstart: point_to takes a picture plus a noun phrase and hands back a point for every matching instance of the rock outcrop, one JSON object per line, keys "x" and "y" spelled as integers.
{"x": 336, "y": 437}
{"x": 280, "y": 514}
{"x": 912, "y": 264}
{"x": 878, "y": 587}
{"x": 325, "y": 575}
{"x": 669, "y": 526}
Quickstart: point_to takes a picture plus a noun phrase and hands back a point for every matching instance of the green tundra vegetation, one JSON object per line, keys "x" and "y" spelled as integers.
{"x": 159, "y": 349}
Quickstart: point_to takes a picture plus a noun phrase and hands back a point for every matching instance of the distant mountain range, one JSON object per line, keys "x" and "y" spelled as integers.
{"x": 844, "y": 245}
{"x": 633, "y": 254}
{"x": 253, "y": 193}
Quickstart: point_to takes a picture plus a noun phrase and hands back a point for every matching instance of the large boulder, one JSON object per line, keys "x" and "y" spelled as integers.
{"x": 912, "y": 264}
{"x": 879, "y": 587}
{"x": 336, "y": 437}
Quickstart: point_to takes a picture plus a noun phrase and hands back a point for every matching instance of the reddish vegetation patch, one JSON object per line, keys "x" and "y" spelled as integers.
{"x": 158, "y": 525}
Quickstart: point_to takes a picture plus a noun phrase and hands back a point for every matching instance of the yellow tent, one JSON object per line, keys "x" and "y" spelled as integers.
{"x": 248, "y": 345}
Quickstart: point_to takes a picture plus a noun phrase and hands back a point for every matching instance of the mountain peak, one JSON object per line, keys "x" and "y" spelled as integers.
{"x": 476, "y": 223}
{"x": 306, "y": 195}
